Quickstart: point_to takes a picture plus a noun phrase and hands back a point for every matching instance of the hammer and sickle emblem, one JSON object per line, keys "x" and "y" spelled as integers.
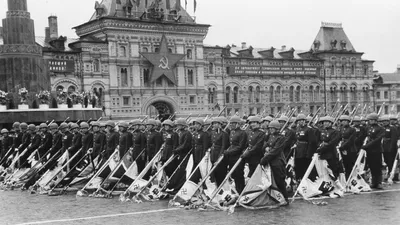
{"x": 164, "y": 63}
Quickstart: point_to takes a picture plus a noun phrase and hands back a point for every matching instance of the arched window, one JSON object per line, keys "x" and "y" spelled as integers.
{"x": 271, "y": 94}
{"x": 189, "y": 54}
{"x": 353, "y": 70}
{"x": 278, "y": 94}
{"x": 312, "y": 94}
{"x": 124, "y": 77}
{"x": 318, "y": 93}
{"x": 145, "y": 49}
{"x": 343, "y": 71}
{"x": 353, "y": 91}
{"x": 60, "y": 88}
{"x": 228, "y": 95}
{"x": 366, "y": 94}
{"x": 332, "y": 70}
{"x": 190, "y": 77}
{"x": 251, "y": 94}
{"x": 170, "y": 50}
{"x": 71, "y": 89}
{"x": 343, "y": 94}
{"x": 333, "y": 94}
{"x": 211, "y": 95}
{"x": 291, "y": 94}
{"x": 96, "y": 65}
{"x": 146, "y": 77}
{"x": 211, "y": 68}
{"x": 235, "y": 94}
{"x": 365, "y": 70}
{"x": 156, "y": 49}
{"x": 298, "y": 94}
{"x": 258, "y": 94}
{"x": 122, "y": 51}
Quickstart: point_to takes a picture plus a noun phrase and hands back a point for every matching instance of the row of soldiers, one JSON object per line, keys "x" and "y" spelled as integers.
{"x": 256, "y": 141}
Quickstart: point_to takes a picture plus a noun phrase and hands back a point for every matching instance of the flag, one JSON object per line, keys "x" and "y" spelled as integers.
{"x": 195, "y": 5}
{"x": 261, "y": 191}
{"x": 356, "y": 182}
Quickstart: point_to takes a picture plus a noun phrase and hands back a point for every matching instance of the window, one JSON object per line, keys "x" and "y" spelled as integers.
{"x": 190, "y": 77}
{"x": 333, "y": 94}
{"x": 365, "y": 70}
{"x": 343, "y": 72}
{"x": 159, "y": 82}
{"x": 170, "y": 50}
{"x": 291, "y": 94}
{"x": 71, "y": 89}
{"x": 365, "y": 93}
{"x": 378, "y": 95}
{"x": 146, "y": 77}
{"x": 311, "y": 109}
{"x": 124, "y": 77}
{"x": 385, "y": 95}
{"x": 317, "y": 91}
{"x": 235, "y": 94}
{"x": 343, "y": 94}
{"x": 312, "y": 94}
{"x": 122, "y": 51}
{"x": 189, "y": 54}
{"x": 271, "y": 92}
{"x": 211, "y": 68}
{"x": 386, "y": 109}
{"x": 125, "y": 100}
{"x": 353, "y": 70}
{"x": 272, "y": 110}
{"x": 228, "y": 95}
{"x": 397, "y": 94}
{"x": 353, "y": 93}
{"x": 258, "y": 111}
{"x": 211, "y": 93}
{"x": 145, "y": 49}
{"x": 332, "y": 70}
{"x": 251, "y": 93}
{"x": 258, "y": 94}
{"x": 298, "y": 94}
{"x": 191, "y": 99}
{"x": 60, "y": 88}
{"x": 278, "y": 94}
{"x": 96, "y": 65}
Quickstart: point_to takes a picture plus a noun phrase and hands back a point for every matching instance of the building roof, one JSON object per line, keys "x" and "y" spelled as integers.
{"x": 42, "y": 42}
{"x": 388, "y": 78}
{"x": 329, "y": 33}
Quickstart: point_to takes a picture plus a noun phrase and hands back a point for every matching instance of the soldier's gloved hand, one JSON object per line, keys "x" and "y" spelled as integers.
{"x": 245, "y": 154}
{"x": 267, "y": 149}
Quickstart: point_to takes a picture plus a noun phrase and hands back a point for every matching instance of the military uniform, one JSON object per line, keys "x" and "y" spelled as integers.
{"x": 153, "y": 144}
{"x": 327, "y": 150}
{"x": 389, "y": 145}
{"x": 255, "y": 150}
{"x": 125, "y": 143}
{"x": 201, "y": 144}
{"x": 56, "y": 144}
{"x": 87, "y": 143}
{"x": 305, "y": 148}
{"x": 361, "y": 134}
{"x": 76, "y": 145}
{"x": 6, "y": 144}
{"x": 45, "y": 145}
{"x": 139, "y": 144}
{"x": 35, "y": 143}
{"x": 26, "y": 140}
{"x": 220, "y": 142}
{"x": 99, "y": 144}
{"x": 111, "y": 143}
{"x": 373, "y": 147}
{"x": 348, "y": 148}
{"x": 170, "y": 142}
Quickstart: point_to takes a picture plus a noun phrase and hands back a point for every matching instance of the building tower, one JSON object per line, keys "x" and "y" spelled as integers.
{"x": 21, "y": 62}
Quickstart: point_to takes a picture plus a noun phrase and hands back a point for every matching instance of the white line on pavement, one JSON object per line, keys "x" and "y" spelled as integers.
{"x": 99, "y": 217}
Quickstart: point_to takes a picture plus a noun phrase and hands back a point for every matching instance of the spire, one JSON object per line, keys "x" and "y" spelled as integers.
{"x": 17, "y": 5}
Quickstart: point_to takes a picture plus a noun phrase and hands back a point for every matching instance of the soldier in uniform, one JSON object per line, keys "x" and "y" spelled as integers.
{"x": 45, "y": 144}
{"x": 6, "y": 143}
{"x": 274, "y": 156}
{"x": 305, "y": 147}
{"x": 361, "y": 132}
{"x": 87, "y": 139}
{"x": 34, "y": 144}
{"x": 76, "y": 143}
{"x": 265, "y": 123}
{"x": 112, "y": 139}
{"x": 327, "y": 149}
{"x": 103, "y": 128}
{"x": 347, "y": 146}
{"x": 201, "y": 144}
{"x": 170, "y": 140}
{"x": 373, "y": 147}
{"x": 289, "y": 134}
{"x": 220, "y": 142}
{"x": 125, "y": 139}
{"x": 238, "y": 143}
{"x": 26, "y": 137}
{"x": 56, "y": 140}
{"x": 67, "y": 137}
{"x": 139, "y": 144}
{"x": 153, "y": 142}
{"x": 99, "y": 142}
{"x": 254, "y": 151}
{"x": 17, "y": 137}
{"x": 389, "y": 143}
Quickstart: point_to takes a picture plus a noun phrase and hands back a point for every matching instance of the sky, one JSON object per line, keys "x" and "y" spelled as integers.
{"x": 371, "y": 25}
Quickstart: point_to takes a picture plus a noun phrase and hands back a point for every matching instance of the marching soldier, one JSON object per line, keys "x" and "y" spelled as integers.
{"x": 153, "y": 142}
{"x": 139, "y": 143}
{"x": 125, "y": 139}
{"x": 327, "y": 149}
{"x": 374, "y": 149}
{"x": 112, "y": 139}
{"x": 220, "y": 142}
{"x": 103, "y": 128}
{"x": 76, "y": 143}
{"x": 67, "y": 137}
{"x": 305, "y": 147}
{"x": 361, "y": 132}
{"x": 347, "y": 146}
{"x": 34, "y": 144}
{"x": 17, "y": 139}
{"x": 254, "y": 151}
{"x": 87, "y": 139}
{"x": 265, "y": 123}
{"x": 99, "y": 142}
{"x": 201, "y": 144}
{"x": 238, "y": 143}
{"x": 389, "y": 143}
{"x": 26, "y": 137}
{"x": 6, "y": 143}
{"x": 274, "y": 156}
{"x": 289, "y": 134}
{"x": 56, "y": 140}
{"x": 46, "y": 142}
{"x": 170, "y": 140}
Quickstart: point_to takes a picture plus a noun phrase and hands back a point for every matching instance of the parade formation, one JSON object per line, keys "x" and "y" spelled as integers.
{"x": 215, "y": 162}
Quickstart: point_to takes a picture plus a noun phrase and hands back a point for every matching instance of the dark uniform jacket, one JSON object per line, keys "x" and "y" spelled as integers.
{"x": 56, "y": 143}
{"x": 26, "y": 140}
{"x": 170, "y": 141}
{"x": 125, "y": 143}
{"x": 6, "y": 144}
{"x": 139, "y": 143}
{"x": 220, "y": 142}
{"x": 238, "y": 143}
{"x": 329, "y": 140}
{"x": 201, "y": 143}
{"x": 17, "y": 140}
{"x": 274, "y": 156}
{"x": 375, "y": 134}
{"x": 348, "y": 137}
{"x": 111, "y": 144}
{"x": 306, "y": 142}
{"x": 184, "y": 143}
{"x": 45, "y": 144}
{"x": 389, "y": 142}
{"x": 99, "y": 143}
{"x": 87, "y": 143}
{"x": 76, "y": 143}
{"x": 67, "y": 141}
{"x": 361, "y": 134}
{"x": 290, "y": 136}
{"x": 255, "y": 149}
{"x": 153, "y": 142}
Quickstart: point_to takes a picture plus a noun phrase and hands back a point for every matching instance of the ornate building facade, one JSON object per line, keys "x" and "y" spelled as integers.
{"x": 148, "y": 58}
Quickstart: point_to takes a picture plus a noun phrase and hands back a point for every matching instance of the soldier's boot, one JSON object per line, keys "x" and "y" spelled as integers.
{"x": 379, "y": 182}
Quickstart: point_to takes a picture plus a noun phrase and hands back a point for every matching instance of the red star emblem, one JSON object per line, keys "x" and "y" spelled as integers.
{"x": 163, "y": 62}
